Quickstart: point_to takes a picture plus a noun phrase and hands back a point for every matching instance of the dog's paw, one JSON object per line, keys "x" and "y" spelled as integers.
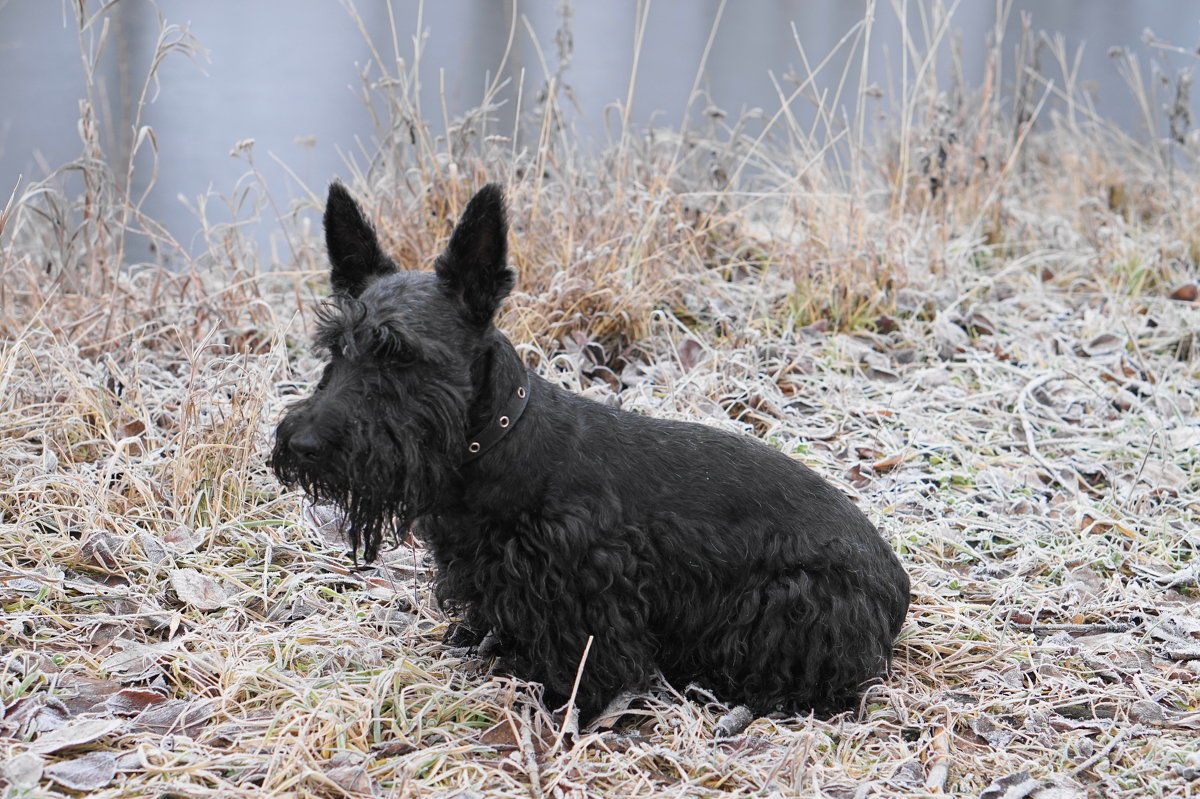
{"x": 460, "y": 635}
{"x": 472, "y": 645}
{"x": 614, "y": 710}
{"x": 489, "y": 647}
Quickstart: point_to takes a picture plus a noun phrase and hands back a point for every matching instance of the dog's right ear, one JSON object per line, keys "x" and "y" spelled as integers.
{"x": 354, "y": 255}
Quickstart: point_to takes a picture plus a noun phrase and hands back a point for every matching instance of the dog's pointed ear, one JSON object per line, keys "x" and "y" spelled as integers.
{"x": 355, "y": 257}
{"x": 474, "y": 266}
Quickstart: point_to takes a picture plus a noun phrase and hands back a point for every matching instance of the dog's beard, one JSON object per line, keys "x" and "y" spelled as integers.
{"x": 378, "y": 491}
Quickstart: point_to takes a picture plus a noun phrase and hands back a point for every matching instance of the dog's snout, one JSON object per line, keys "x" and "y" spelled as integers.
{"x": 305, "y": 444}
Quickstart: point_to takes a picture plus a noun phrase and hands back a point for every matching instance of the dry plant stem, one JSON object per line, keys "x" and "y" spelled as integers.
{"x": 939, "y": 763}
{"x": 1027, "y": 426}
{"x": 1083, "y": 629}
{"x": 530, "y": 758}
{"x": 570, "y": 722}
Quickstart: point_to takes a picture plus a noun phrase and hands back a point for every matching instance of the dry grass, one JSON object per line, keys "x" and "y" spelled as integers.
{"x": 966, "y": 321}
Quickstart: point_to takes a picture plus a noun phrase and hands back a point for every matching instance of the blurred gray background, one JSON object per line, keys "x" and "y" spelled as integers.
{"x": 285, "y": 73}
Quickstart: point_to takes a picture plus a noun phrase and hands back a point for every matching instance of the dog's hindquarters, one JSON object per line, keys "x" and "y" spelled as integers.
{"x": 764, "y": 582}
{"x": 787, "y": 638}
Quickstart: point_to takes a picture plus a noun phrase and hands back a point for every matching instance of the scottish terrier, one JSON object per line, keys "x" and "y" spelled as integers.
{"x": 559, "y": 525}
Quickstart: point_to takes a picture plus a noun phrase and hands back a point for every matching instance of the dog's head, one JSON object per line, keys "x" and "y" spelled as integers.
{"x": 385, "y": 429}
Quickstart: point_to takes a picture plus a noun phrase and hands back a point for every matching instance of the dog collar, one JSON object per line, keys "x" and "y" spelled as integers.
{"x": 483, "y": 440}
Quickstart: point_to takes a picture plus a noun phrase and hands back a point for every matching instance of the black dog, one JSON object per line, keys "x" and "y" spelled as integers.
{"x": 553, "y": 520}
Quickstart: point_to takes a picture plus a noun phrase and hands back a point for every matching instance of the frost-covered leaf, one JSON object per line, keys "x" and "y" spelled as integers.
{"x": 1144, "y": 711}
{"x": 888, "y": 463}
{"x": 153, "y": 548}
{"x": 996, "y": 736}
{"x": 1014, "y": 786}
{"x": 136, "y": 660}
{"x": 500, "y": 735}
{"x": 691, "y": 353}
{"x": 103, "y": 551}
{"x": 24, "y": 771}
{"x": 980, "y": 323}
{"x": 380, "y": 588}
{"x": 131, "y": 701}
{"x": 1104, "y": 344}
{"x": 1162, "y": 475}
{"x": 352, "y": 779}
{"x": 85, "y": 691}
{"x": 20, "y": 586}
{"x": 34, "y": 714}
{"x": 132, "y": 760}
{"x": 183, "y": 539}
{"x": 950, "y": 337}
{"x": 933, "y": 377}
{"x": 198, "y": 590}
{"x": 174, "y": 716}
{"x": 91, "y": 772}
{"x": 1113, "y": 654}
{"x": 327, "y": 521}
{"x": 75, "y": 734}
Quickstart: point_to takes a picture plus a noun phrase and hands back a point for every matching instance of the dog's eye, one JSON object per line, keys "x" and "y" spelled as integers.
{"x": 395, "y": 349}
{"x": 402, "y": 354}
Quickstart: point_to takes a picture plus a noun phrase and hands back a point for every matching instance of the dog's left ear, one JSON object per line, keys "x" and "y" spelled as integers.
{"x": 474, "y": 266}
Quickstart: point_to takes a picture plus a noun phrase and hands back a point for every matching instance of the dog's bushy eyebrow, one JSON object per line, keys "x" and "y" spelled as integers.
{"x": 343, "y": 325}
{"x": 334, "y": 318}
{"x": 386, "y": 339}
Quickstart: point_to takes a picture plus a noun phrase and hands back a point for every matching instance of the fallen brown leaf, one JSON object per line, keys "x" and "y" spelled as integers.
{"x": 1188, "y": 292}
{"x": 888, "y": 463}
{"x": 174, "y": 716}
{"x": 131, "y": 701}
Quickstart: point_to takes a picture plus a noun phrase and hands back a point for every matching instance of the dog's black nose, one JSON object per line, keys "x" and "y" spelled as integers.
{"x": 305, "y": 445}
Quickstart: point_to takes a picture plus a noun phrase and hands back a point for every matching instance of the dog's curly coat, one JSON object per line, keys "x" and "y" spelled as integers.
{"x": 673, "y": 546}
